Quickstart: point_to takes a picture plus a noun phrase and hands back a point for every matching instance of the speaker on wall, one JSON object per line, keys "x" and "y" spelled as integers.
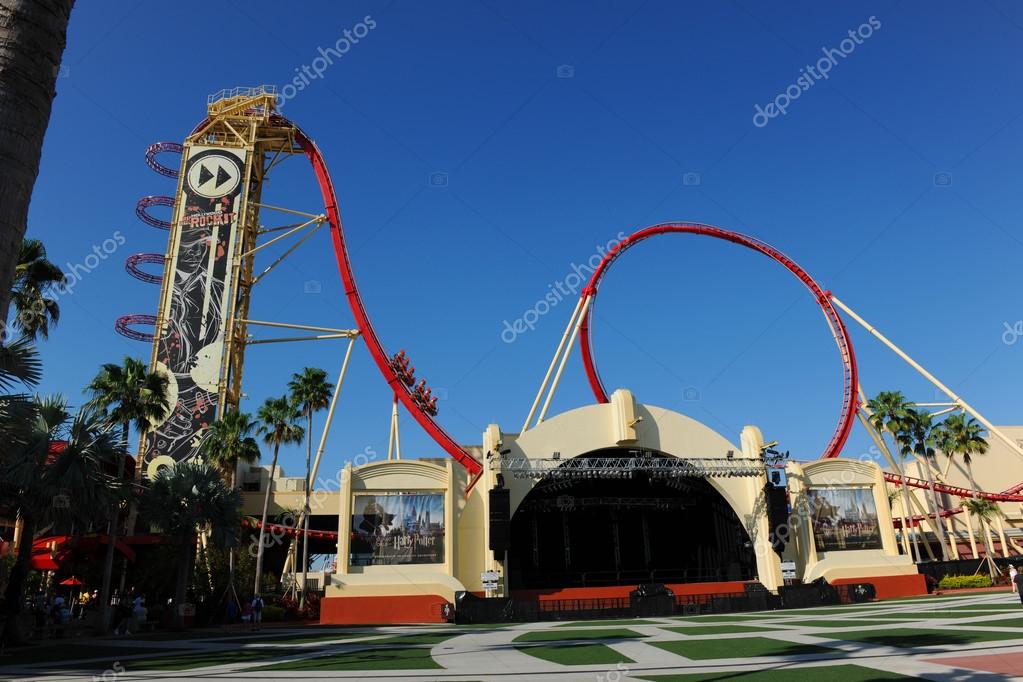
{"x": 500, "y": 520}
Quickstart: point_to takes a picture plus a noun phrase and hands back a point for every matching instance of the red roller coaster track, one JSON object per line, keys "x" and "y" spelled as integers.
{"x": 849, "y": 373}
{"x": 369, "y": 335}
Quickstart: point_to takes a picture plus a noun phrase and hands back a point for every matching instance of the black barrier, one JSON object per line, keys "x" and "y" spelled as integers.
{"x": 657, "y": 601}
{"x": 652, "y": 600}
{"x": 817, "y": 593}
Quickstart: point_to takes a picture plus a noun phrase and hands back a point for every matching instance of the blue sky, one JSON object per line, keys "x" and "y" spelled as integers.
{"x": 481, "y": 149}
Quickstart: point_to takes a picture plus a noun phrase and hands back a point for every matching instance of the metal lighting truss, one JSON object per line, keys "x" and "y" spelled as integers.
{"x": 627, "y": 467}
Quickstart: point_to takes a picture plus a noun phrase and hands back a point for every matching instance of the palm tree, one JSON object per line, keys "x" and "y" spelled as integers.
{"x": 917, "y": 438}
{"x": 130, "y": 395}
{"x": 229, "y": 441}
{"x": 57, "y": 473}
{"x": 32, "y": 38}
{"x": 887, "y": 411}
{"x": 983, "y": 509}
{"x": 19, "y": 364}
{"x": 963, "y": 436}
{"x": 186, "y": 499}
{"x": 34, "y": 278}
{"x": 277, "y": 419}
{"x": 310, "y": 392}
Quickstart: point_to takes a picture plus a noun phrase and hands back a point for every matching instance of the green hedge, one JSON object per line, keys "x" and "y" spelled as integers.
{"x": 273, "y": 613}
{"x": 957, "y": 582}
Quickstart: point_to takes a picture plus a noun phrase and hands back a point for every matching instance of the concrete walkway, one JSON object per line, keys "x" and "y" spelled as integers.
{"x": 493, "y": 654}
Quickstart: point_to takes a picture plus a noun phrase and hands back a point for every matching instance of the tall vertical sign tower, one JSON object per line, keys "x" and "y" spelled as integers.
{"x": 204, "y": 299}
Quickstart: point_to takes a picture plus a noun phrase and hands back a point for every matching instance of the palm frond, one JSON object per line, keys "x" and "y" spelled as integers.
{"x": 19, "y": 362}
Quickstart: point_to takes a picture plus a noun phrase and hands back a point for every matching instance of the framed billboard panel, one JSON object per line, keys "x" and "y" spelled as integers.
{"x": 843, "y": 519}
{"x": 397, "y": 529}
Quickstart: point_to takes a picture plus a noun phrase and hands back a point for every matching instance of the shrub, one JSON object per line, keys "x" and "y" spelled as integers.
{"x": 273, "y": 613}
{"x": 958, "y": 582}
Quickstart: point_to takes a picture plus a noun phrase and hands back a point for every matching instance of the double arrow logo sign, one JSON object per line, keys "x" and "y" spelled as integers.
{"x": 214, "y": 176}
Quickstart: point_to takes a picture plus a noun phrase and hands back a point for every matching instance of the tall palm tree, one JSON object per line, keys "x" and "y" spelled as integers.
{"x": 887, "y": 411}
{"x": 310, "y": 392}
{"x": 963, "y": 436}
{"x": 58, "y": 472}
{"x": 34, "y": 278}
{"x": 917, "y": 439}
{"x": 277, "y": 425}
{"x": 186, "y": 499}
{"x": 229, "y": 441}
{"x": 130, "y": 395}
{"x": 32, "y": 38}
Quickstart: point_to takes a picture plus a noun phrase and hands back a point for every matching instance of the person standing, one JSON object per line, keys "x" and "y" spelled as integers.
{"x": 1012, "y": 577}
{"x": 1018, "y": 582}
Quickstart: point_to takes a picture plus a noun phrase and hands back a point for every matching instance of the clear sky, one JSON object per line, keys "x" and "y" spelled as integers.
{"x": 480, "y": 150}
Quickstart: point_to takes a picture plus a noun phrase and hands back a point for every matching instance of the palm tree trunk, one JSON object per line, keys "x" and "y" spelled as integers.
{"x": 262, "y": 525}
{"x": 108, "y": 566}
{"x": 32, "y": 38}
{"x": 969, "y": 520}
{"x": 939, "y": 529}
{"x": 907, "y": 525}
{"x": 305, "y": 506}
{"x": 973, "y": 539}
{"x": 181, "y": 585}
{"x": 13, "y": 597}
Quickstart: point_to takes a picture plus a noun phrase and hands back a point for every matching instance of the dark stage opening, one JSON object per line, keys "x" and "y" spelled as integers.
{"x": 619, "y": 529}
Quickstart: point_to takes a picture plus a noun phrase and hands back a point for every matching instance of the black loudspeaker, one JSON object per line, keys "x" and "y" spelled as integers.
{"x": 500, "y": 520}
{"x": 777, "y": 516}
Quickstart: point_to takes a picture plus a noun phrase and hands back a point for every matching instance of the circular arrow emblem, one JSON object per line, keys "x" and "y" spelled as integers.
{"x": 214, "y": 174}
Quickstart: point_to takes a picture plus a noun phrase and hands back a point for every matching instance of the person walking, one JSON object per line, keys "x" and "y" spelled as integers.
{"x": 1012, "y": 577}
{"x": 1018, "y": 583}
{"x": 257, "y": 612}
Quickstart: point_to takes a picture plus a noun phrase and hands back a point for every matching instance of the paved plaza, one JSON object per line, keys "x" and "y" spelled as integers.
{"x": 974, "y": 637}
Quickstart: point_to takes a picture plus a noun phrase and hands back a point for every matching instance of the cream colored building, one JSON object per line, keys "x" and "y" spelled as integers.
{"x": 449, "y": 552}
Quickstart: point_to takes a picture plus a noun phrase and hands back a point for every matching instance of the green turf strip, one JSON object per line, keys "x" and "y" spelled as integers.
{"x": 563, "y": 635}
{"x": 722, "y": 629}
{"x": 824, "y": 611}
{"x": 829, "y": 624}
{"x": 910, "y": 637}
{"x": 957, "y": 615}
{"x": 203, "y": 634}
{"x": 57, "y": 651}
{"x": 605, "y": 623}
{"x": 1007, "y": 623}
{"x": 994, "y": 606}
{"x": 390, "y": 658}
{"x": 202, "y": 660}
{"x": 576, "y": 654}
{"x": 737, "y": 647}
{"x": 697, "y": 620}
{"x": 832, "y": 673}
{"x": 416, "y": 639}
{"x": 297, "y": 639}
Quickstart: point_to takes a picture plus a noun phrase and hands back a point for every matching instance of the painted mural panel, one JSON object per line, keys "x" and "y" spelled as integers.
{"x": 190, "y": 349}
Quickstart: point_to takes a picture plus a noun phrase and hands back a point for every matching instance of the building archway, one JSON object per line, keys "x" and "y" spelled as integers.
{"x": 619, "y": 528}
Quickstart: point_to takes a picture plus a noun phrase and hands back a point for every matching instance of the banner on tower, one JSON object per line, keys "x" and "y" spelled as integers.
{"x": 190, "y": 348}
